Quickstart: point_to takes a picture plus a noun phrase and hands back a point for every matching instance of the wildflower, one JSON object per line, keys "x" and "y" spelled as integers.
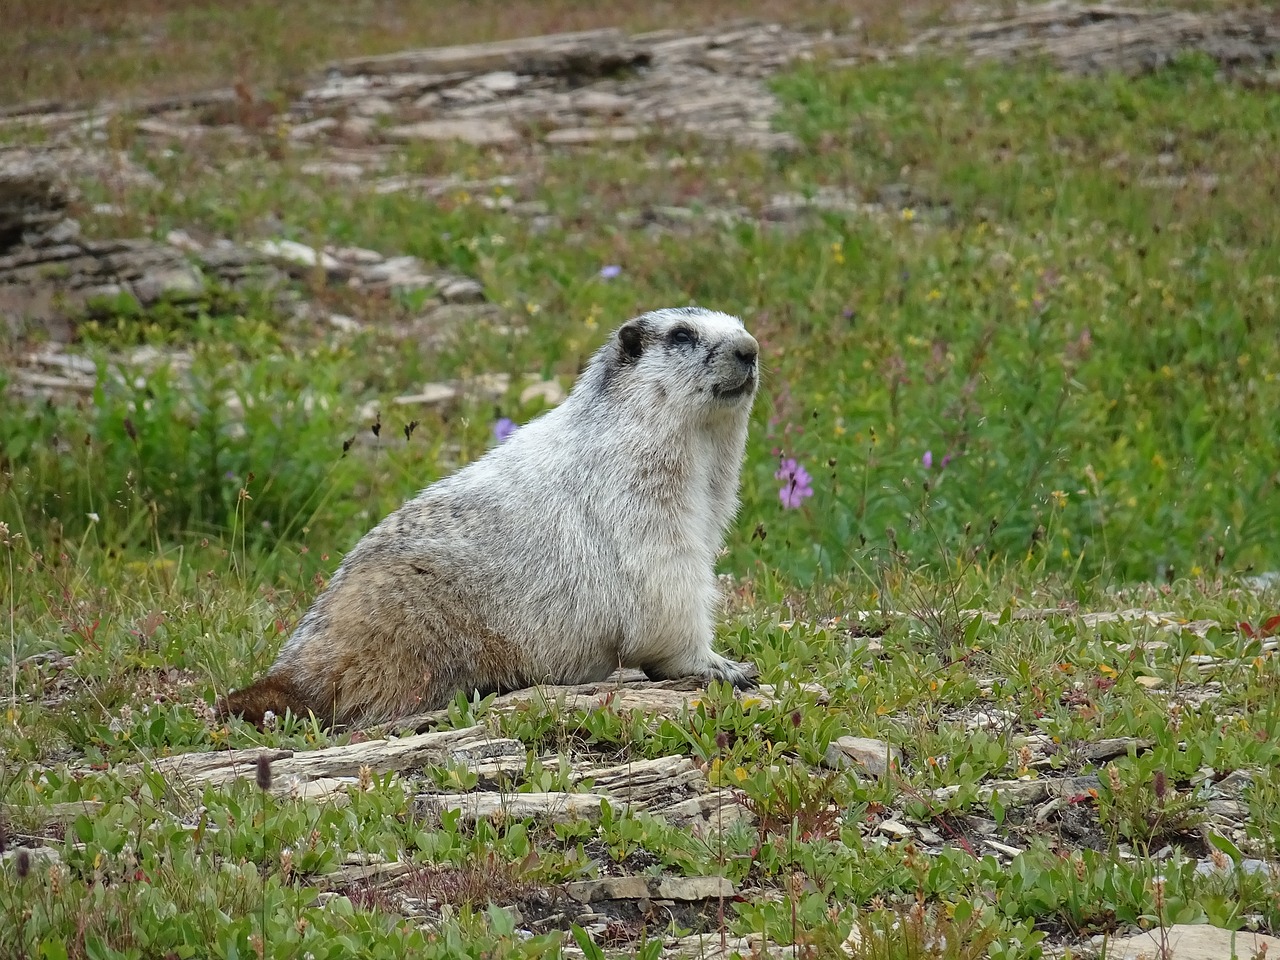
{"x": 908, "y": 214}
{"x": 609, "y": 271}
{"x": 504, "y": 428}
{"x": 1059, "y": 498}
{"x": 946, "y": 459}
{"x": 927, "y": 460}
{"x": 795, "y": 484}
{"x": 1004, "y": 106}
{"x": 24, "y": 863}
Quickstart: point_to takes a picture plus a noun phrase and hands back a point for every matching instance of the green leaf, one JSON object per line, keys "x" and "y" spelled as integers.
{"x": 1219, "y": 842}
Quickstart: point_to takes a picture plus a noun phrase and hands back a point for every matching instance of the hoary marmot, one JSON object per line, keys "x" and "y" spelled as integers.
{"x": 585, "y": 541}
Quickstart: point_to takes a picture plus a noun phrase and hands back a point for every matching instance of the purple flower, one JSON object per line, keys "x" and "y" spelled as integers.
{"x": 610, "y": 271}
{"x": 504, "y": 428}
{"x": 927, "y": 459}
{"x": 946, "y": 460}
{"x": 795, "y": 484}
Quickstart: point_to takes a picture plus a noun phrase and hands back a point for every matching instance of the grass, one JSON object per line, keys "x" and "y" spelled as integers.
{"x": 1032, "y": 376}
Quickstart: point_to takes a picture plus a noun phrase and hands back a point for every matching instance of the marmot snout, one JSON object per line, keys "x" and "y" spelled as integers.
{"x": 516, "y": 570}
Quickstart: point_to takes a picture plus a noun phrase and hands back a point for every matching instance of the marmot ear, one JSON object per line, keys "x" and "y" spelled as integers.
{"x": 632, "y": 335}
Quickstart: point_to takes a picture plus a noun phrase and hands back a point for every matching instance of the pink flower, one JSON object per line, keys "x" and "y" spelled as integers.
{"x": 796, "y": 483}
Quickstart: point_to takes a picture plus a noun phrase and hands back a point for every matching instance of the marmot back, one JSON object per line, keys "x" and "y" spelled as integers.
{"x": 584, "y": 542}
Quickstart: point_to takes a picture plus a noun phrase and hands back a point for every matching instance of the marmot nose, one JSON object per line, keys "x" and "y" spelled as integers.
{"x": 746, "y": 354}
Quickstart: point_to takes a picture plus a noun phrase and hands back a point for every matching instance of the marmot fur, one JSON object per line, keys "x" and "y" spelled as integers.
{"x": 584, "y": 542}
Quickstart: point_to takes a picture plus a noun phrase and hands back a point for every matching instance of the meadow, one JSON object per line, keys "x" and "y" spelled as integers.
{"x": 1029, "y": 367}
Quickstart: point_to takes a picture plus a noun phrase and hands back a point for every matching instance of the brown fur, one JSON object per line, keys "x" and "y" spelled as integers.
{"x": 275, "y": 693}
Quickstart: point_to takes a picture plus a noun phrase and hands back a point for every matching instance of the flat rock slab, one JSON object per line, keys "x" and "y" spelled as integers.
{"x": 555, "y": 807}
{"x": 685, "y": 889}
{"x": 1193, "y": 942}
{"x": 380, "y": 756}
{"x": 479, "y": 133}
{"x": 875, "y": 756}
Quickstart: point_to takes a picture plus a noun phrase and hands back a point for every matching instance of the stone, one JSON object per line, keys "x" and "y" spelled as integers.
{"x": 556, "y": 807}
{"x": 292, "y": 253}
{"x": 480, "y": 133}
{"x": 582, "y": 136}
{"x": 1193, "y": 942}
{"x": 683, "y": 889}
{"x": 313, "y": 129}
{"x": 895, "y": 829}
{"x": 875, "y": 756}
{"x": 548, "y": 391}
{"x": 602, "y": 103}
{"x": 431, "y": 395}
{"x": 175, "y": 282}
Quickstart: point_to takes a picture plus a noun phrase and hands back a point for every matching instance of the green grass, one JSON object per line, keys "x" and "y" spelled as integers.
{"x": 1093, "y": 355}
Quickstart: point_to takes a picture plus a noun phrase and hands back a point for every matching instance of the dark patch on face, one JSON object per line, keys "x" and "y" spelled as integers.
{"x": 711, "y": 353}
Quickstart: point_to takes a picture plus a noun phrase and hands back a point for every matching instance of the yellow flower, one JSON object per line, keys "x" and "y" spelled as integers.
{"x": 1004, "y": 106}
{"x": 934, "y": 294}
{"x": 1059, "y": 498}
{"x": 908, "y": 214}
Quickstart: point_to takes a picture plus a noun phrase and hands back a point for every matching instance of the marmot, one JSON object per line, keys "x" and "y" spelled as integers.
{"x": 584, "y": 542}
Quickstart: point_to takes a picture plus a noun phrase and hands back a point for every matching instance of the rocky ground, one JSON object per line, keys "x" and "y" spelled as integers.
{"x": 555, "y": 92}
{"x": 563, "y": 93}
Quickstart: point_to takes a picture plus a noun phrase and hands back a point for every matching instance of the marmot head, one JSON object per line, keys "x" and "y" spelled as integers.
{"x": 703, "y": 360}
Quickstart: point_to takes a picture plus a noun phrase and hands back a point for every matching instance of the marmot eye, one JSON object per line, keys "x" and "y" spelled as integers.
{"x": 682, "y": 337}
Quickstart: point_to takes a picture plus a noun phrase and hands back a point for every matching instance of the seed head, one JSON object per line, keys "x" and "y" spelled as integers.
{"x": 24, "y": 863}
{"x": 264, "y": 772}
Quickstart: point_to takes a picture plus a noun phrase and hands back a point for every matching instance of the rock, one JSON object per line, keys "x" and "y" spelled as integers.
{"x": 601, "y": 103}
{"x": 684, "y": 889}
{"x": 895, "y": 829}
{"x": 548, "y": 391}
{"x": 480, "y": 133}
{"x": 581, "y": 136}
{"x": 373, "y": 107}
{"x": 40, "y": 858}
{"x": 313, "y": 129}
{"x": 433, "y": 394}
{"x": 381, "y": 755}
{"x": 707, "y": 813}
{"x": 333, "y": 171}
{"x": 874, "y": 755}
{"x": 176, "y": 282}
{"x": 589, "y": 54}
{"x": 294, "y": 254}
{"x": 556, "y": 807}
{"x": 358, "y": 129}
{"x": 1193, "y": 942}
